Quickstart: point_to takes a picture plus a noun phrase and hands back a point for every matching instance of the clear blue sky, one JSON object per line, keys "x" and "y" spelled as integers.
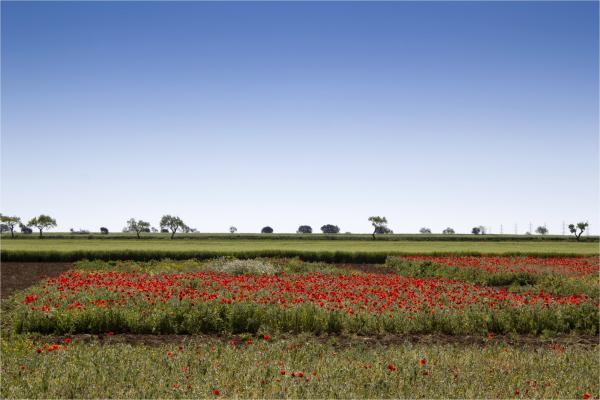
{"x": 253, "y": 114}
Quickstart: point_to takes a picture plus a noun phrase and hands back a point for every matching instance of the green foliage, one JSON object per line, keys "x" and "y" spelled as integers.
{"x": 266, "y": 229}
{"x": 520, "y": 281}
{"x": 379, "y": 225}
{"x": 10, "y": 222}
{"x": 137, "y": 226}
{"x": 42, "y": 222}
{"x": 330, "y": 229}
{"x": 581, "y": 226}
{"x": 173, "y": 224}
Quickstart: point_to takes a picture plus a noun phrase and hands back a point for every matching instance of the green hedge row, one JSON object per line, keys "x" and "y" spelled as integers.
{"x": 322, "y": 256}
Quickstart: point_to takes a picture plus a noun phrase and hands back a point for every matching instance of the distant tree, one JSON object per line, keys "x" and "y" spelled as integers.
{"x": 541, "y": 230}
{"x": 328, "y": 229}
{"x": 25, "y": 229}
{"x": 382, "y": 230}
{"x": 153, "y": 230}
{"x": 304, "y": 229}
{"x": 425, "y": 231}
{"x": 173, "y": 224}
{"x": 104, "y": 231}
{"x": 266, "y": 229}
{"x": 581, "y": 226}
{"x": 379, "y": 225}
{"x": 10, "y": 223}
{"x": 4, "y": 228}
{"x": 448, "y": 231}
{"x": 164, "y": 230}
{"x": 137, "y": 226}
{"x": 42, "y": 222}
{"x": 232, "y": 229}
{"x": 476, "y": 230}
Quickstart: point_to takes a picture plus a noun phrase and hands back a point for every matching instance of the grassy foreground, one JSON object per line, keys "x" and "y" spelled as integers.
{"x": 213, "y": 368}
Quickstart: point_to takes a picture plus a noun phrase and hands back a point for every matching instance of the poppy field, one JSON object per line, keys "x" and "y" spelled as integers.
{"x": 288, "y": 328}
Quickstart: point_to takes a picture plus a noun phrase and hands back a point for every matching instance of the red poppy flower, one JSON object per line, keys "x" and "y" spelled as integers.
{"x": 216, "y": 392}
{"x": 391, "y": 367}
{"x": 422, "y": 362}
{"x": 38, "y": 350}
{"x": 586, "y": 395}
{"x": 300, "y": 374}
{"x": 68, "y": 340}
{"x": 266, "y": 337}
{"x": 282, "y": 372}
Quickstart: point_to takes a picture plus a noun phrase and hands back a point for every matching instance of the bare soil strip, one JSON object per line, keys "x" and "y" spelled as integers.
{"x": 20, "y": 275}
{"x": 340, "y": 341}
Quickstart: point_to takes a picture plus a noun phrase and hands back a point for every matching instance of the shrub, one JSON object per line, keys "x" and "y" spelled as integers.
{"x": 104, "y": 231}
{"x": 425, "y": 231}
{"x": 330, "y": 229}
{"x": 266, "y": 229}
{"x": 448, "y": 231}
{"x": 304, "y": 229}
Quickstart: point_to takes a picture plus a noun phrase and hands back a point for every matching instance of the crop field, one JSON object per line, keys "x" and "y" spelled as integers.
{"x": 416, "y": 326}
{"x": 361, "y": 251}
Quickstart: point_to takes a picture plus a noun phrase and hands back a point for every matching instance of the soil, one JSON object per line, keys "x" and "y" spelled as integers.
{"x": 20, "y": 275}
{"x": 339, "y": 341}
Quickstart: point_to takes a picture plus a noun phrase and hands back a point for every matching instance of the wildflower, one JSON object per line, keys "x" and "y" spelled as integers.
{"x": 422, "y": 362}
{"x": 266, "y": 337}
{"x": 38, "y": 350}
{"x": 68, "y": 340}
{"x": 391, "y": 367}
{"x": 109, "y": 333}
{"x": 282, "y": 372}
{"x": 586, "y": 395}
{"x": 216, "y": 392}
{"x": 300, "y": 374}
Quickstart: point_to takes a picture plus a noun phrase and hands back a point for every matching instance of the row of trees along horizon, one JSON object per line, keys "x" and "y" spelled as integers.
{"x": 172, "y": 224}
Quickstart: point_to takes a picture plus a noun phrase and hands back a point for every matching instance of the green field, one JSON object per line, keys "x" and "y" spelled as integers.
{"x": 425, "y": 247}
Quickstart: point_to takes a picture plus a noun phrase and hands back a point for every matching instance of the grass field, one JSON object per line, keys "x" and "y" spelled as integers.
{"x": 241, "y": 245}
{"x": 294, "y": 367}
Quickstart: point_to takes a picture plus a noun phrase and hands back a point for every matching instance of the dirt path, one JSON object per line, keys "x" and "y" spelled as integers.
{"x": 19, "y": 275}
{"x": 340, "y": 341}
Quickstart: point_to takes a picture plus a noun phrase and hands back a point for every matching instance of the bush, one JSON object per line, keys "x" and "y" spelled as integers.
{"x": 104, "y": 231}
{"x": 330, "y": 229}
{"x": 266, "y": 229}
{"x": 448, "y": 231}
{"x": 382, "y": 230}
{"x": 425, "y": 231}
{"x": 304, "y": 229}
{"x": 26, "y": 230}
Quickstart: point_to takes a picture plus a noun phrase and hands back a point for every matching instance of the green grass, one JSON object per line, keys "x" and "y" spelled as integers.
{"x": 98, "y": 370}
{"x": 243, "y": 245}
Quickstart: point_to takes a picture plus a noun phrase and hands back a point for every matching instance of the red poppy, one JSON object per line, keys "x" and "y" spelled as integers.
{"x": 300, "y": 374}
{"x": 282, "y": 372}
{"x": 422, "y": 362}
{"x": 586, "y": 395}
{"x": 391, "y": 367}
{"x": 266, "y": 337}
{"x": 216, "y": 392}
{"x": 38, "y": 350}
{"x": 68, "y": 340}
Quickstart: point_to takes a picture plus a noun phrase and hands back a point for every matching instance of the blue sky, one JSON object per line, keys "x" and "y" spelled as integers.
{"x": 251, "y": 114}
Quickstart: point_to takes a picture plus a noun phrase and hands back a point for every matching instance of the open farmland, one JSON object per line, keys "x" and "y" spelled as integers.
{"x": 326, "y": 250}
{"x": 288, "y": 328}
